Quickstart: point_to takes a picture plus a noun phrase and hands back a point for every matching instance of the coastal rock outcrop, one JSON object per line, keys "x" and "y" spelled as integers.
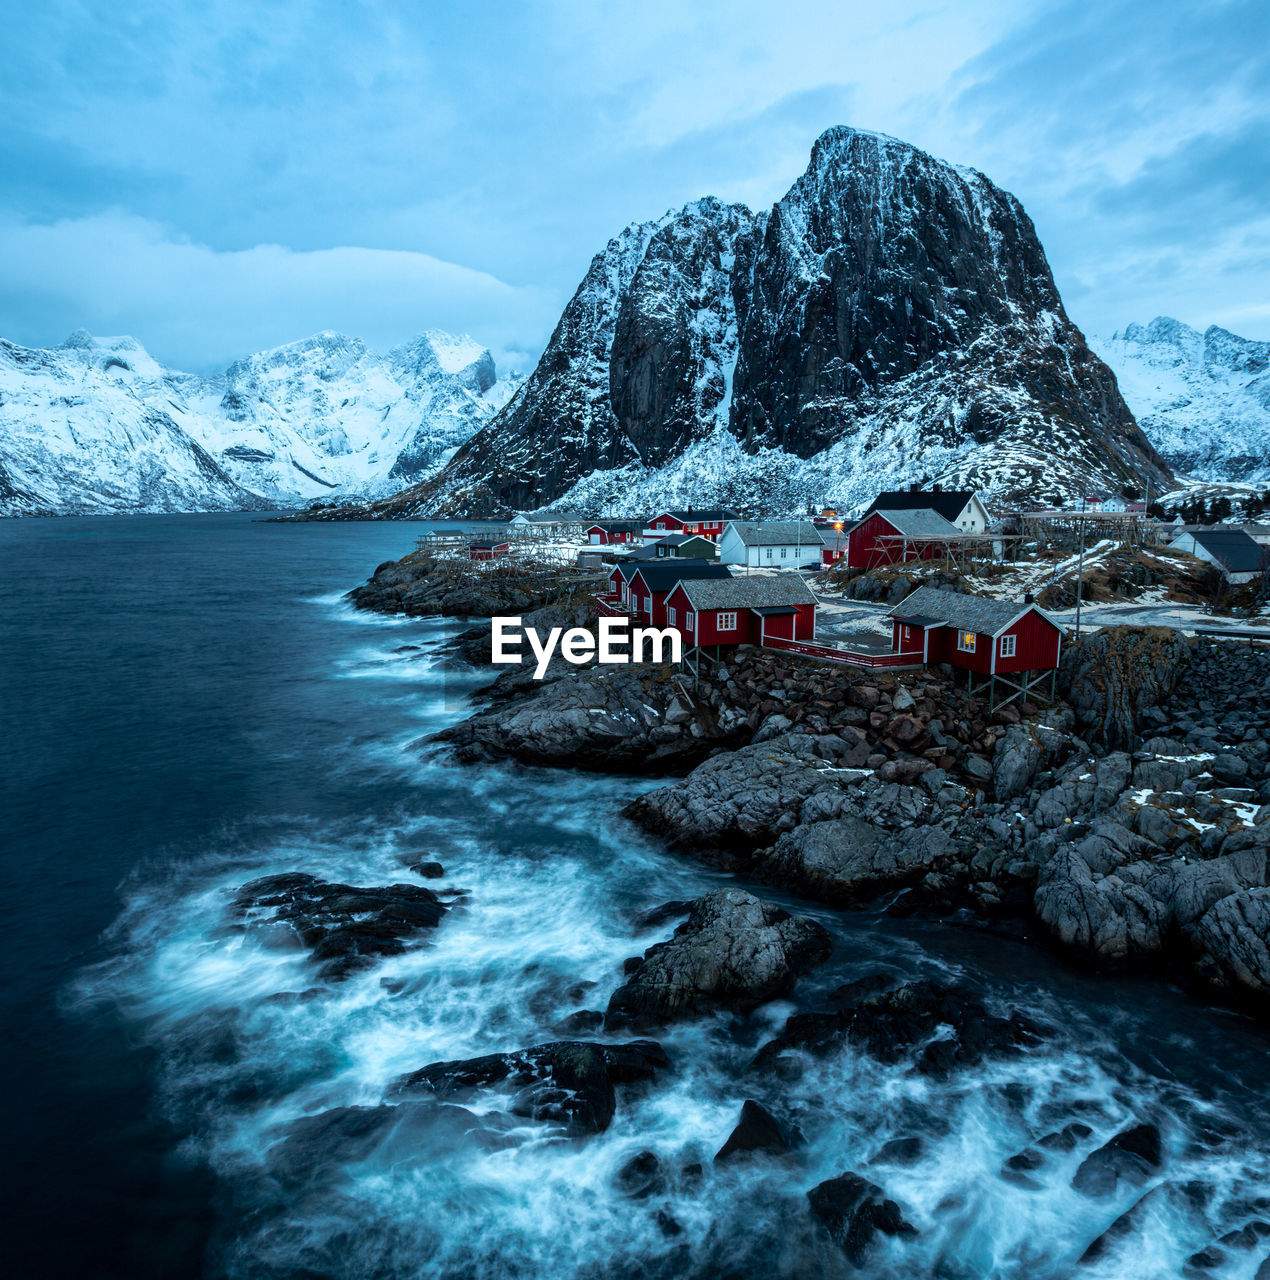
{"x": 344, "y": 928}
{"x": 568, "y": 1083}
{"x": 855, "y": 1211}
{"x": 734, "y": 950}
{"x": 1111, "y": 677}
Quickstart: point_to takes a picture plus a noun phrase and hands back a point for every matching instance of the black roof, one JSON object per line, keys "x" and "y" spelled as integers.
{"x": 1233, "y": 549}
{"x": 678, "y": 539}
{"x": 947, "y": 502}
{"x": 661, "y": 575}
{"x": 487, "y": 546}
{"x": 618, "y": 526}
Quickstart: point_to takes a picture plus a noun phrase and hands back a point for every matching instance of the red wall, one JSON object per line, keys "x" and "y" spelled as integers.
{"x": 912, "y": 644}
{"x": 864, "y": 551}
{"x": 1037, "y": 647}
{"x": 791, "y": 627}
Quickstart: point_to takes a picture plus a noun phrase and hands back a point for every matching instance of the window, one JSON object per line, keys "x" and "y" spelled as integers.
{"x": 784, "y": 552}
{"x": 966, "y": 641}
{"x": 769, "y": 553}
{"x": 725, "y": 622}
{"x": 670, "y": 616}
{"x": 661, "y": 524}
{"x": 690, "y": 621}
{"x": 1007, "y": 646}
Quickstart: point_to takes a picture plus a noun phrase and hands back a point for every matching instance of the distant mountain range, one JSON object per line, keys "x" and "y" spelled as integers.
{"x": 97, "y": 425}
{"x": 1202, "y": 398}
{"x": 891, "y": 319}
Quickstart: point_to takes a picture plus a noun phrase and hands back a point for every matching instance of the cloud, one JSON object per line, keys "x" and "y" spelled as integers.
{"x": 196, "y": 308}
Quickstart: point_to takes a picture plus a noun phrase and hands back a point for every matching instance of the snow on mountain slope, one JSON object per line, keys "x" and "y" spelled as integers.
{"x": 76, "y": 437}
{"x": 893, "y": 318}
{"x": 98, "y": 425}
{"x": 1202, "y": 398}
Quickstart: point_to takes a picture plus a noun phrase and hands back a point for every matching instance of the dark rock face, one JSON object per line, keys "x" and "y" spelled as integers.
{"x": 756, "y": 1131}
{"x": 733, "y": 950}
{"x": 636, "y": 367}
{"x": 887, "y": 289}
{"x": 855, "y": 1211}
{"x": 1130, "y": 1158}
{"x": 1113, "y": 676}
{"x": 344, "y": 928}
{"x": 566, "y": 1082}
{"x": 892, "y": 1023}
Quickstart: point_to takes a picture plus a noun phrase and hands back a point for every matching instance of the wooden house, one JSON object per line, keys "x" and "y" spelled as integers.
{"x": 708, "y": 522}
{"x": 771, "y": 544}
{"x": 1239, "y": 557}
{"x": 488, "y": 550}
{"x": 607, "y": 533}
{"x": 687, "y": 546}
{"x": 897, "y": 536}
{"x": 962, "y": 508}
{"x": 997, "y": 639}
{"x": 745, "y": 610}
{"x": 652, "y": 581}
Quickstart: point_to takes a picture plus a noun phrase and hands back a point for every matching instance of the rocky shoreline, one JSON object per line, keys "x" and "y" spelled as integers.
{"x": 1127, "y": 824}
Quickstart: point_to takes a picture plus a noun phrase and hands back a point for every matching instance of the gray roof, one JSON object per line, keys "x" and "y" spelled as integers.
{"x": 831, "y": 536}
{"x": 966, "y": 613}
{"x": 755, "y": 592}
{"x": 920, "y": 523}
{"x": 1233, "y": 549}
{"x": 777, "y": 533}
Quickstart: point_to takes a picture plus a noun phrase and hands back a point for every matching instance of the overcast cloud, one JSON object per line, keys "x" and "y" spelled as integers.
{"x": 226, "y": 177}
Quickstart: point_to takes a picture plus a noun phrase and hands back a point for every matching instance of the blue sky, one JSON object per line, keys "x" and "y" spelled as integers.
{"x": 222, "y": 177}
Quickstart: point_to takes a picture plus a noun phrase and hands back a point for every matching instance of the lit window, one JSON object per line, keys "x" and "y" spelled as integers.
{"x": 966, "y": 641}
{"x": 1007, "y": 646}
{"x": 726, "y": 622}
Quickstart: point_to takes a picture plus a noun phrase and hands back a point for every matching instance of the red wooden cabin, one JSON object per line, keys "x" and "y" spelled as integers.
{"x": 989, "y": 637}
{"x": 750, "y": 610}
{"x": 607, "y": 533}
{"x": 653, "y": 581}
{"x": 876, "y": 540}
{"x": 488, "y": 550}
{"x": 708, "y": 523}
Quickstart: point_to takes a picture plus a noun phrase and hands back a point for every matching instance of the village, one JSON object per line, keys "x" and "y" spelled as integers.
{"x": 925, "y": 576}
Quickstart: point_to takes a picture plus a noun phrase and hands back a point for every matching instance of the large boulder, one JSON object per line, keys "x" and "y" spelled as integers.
{"x": 599, "y": 717}
{"x": 848, "y": 860}
{"x": 569, "y": 1083}
{"x": 1111, "y": 677}
{"x": 855, "y": 1211}
{"x": 1233, "y": 941}
{"x": 743, "y": 798}
{"x": 733, "y": 950}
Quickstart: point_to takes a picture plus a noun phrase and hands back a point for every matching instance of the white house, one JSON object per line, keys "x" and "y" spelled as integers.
{"x": 1238, "y": 557}
{"x": 960, "y": 507}
{"x": 771, "y": 544}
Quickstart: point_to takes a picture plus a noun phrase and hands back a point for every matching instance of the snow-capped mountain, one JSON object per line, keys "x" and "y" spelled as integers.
{"x": 98, "y": 425}
{"x": 1203, "y": 398}
{"x": 892, "y": 319}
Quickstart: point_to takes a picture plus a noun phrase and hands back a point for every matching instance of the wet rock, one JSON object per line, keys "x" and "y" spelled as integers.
{"x": 942, "y": 1029}
{"x": 733, "y": 950}
{"x": 900, "y": 1151}
{"x": 1129, "y": 1159}
{"x": 569, "y": 1083}
{"x": 1232, "y": 938}
{"x": 855, "y": 1212}
{"x": 428, "y": 870}
{"x": 1066, "y": 1139}
{"x": 344, "y": 928}
{"x": 641, "y": 1176}
{"x": 654, "y": 916}
{"x": 757, "y": 1130}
